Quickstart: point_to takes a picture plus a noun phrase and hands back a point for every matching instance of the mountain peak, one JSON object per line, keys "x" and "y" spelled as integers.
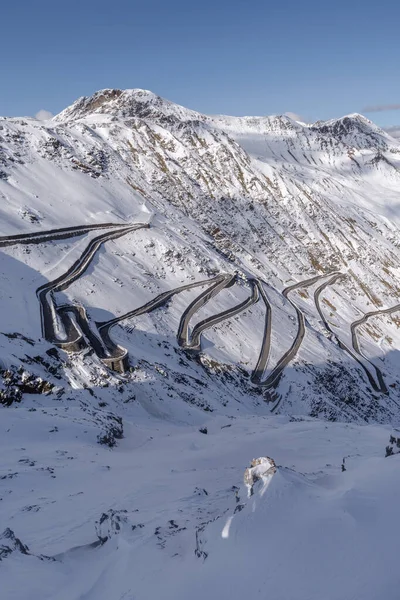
{"x": 353, "y": 128}
{"x": 126, "y": 103}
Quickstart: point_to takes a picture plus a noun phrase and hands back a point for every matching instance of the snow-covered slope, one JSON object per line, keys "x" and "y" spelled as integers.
{"x": 266, "y": 197}
{"x": 225, "y": 266}
{"x": 166, "y": 513}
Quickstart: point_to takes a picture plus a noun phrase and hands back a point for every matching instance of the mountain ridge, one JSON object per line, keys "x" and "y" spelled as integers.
{"x": 108, "y": 100}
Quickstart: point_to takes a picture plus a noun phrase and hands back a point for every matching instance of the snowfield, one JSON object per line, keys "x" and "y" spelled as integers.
{"x": 181, "y": 294}
{"x": 172, "y": 511}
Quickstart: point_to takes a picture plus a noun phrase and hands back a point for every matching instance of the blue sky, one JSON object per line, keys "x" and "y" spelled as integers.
{"x": 318, "y": 59}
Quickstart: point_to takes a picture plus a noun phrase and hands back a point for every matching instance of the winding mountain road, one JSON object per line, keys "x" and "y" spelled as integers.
{"x": 258, "y": 372}
{"x": 354, "y": 339}
{"x": 354, "y": 352}
{"x": 221, "y": 282}
{"x": 160, "y": 300}
{"x": 195, "y": 343}
{"x": 45, "y": 292}
{"x": 273, "y": 378}
{"x": 68, "y": 326}
{"x": 333, "y": 279}
{"x": 50, "y": 235}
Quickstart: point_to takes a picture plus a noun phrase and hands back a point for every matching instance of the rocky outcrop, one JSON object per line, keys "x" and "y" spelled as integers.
{"x": 260, "y": 468}
{"x": 15, "y": 382}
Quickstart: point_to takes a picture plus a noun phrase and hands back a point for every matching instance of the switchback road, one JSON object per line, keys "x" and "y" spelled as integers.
{"x": 68, "y": 326}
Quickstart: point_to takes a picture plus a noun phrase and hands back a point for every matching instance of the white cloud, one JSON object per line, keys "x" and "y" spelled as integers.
{"x": 394, "y": 131}
{"x": 44, "y": 115}
{"x": 294, "y": 116}
{"x": 381, "y": 108}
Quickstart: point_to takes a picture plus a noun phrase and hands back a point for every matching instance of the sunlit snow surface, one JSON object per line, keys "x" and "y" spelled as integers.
{"x": 313, "y": 531}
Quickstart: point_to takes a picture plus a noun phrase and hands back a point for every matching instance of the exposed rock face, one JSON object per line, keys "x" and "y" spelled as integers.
{"x": 260, "y": 468}
{"x": 9, "y": 543}
{"x": 393, "y": 447}
{"x": 16, "y": 382}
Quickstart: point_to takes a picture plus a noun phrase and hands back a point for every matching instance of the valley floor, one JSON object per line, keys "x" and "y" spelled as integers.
{"x": 165, "y": 514}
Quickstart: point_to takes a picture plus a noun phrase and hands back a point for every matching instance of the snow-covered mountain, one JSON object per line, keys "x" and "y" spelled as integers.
{"x": 266, "y": 197}
{"x": 164, "y": 271}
